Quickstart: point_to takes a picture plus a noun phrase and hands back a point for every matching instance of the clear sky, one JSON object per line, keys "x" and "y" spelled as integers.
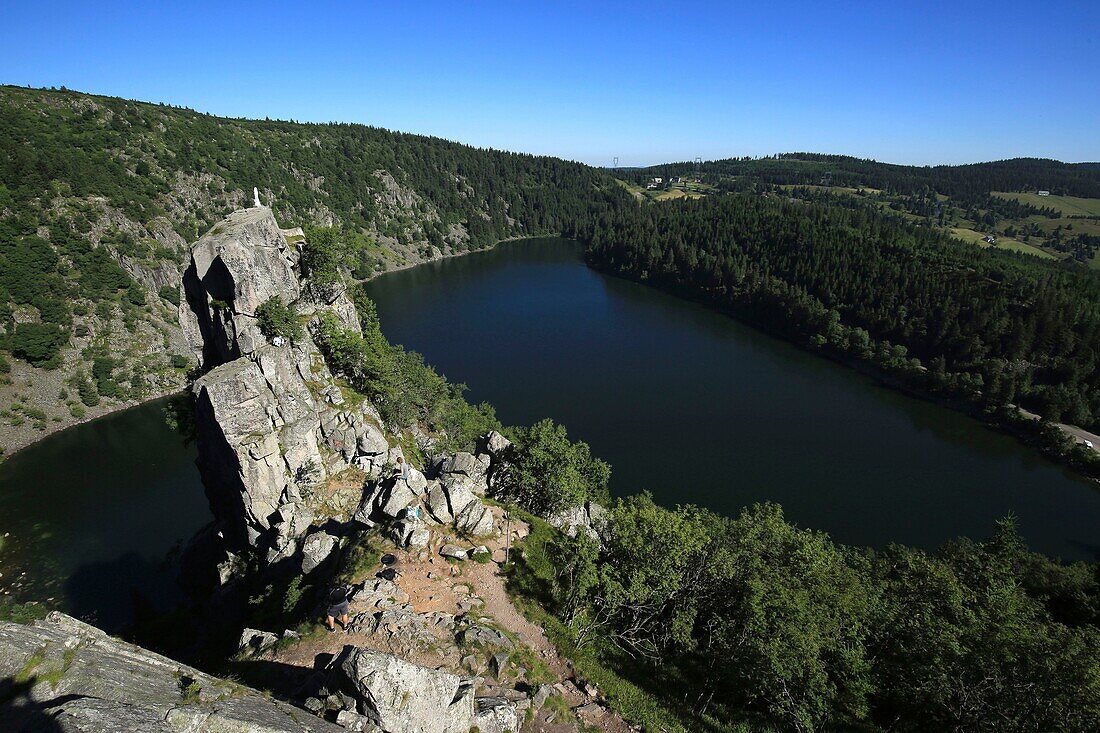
{"x": 908, "y": 82}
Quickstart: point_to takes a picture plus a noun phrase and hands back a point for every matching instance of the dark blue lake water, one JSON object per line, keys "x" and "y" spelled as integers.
{"x": 697, "y": 407}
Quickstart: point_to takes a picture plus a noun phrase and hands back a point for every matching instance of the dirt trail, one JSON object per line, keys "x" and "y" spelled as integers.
{"x": 433, "y": 584}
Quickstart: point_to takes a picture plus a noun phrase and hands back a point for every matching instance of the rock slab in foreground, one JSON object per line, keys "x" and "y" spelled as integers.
{"x": 64, "y": 676}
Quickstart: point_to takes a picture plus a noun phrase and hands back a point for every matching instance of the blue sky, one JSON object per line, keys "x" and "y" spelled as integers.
{"x": 917, "y": 82}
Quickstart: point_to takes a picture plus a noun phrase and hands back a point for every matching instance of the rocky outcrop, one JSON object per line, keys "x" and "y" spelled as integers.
{"x": 241, "y": 262}
{"x": 401, "y": 697}
{"x": 273, "y": 423}
{"x": 452, "y": 497}
{"x": 589, "y": 518}
{"x": 65, "y": 676}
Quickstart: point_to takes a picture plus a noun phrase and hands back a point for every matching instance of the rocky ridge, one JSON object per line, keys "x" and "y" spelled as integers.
{"x": 276, "y": 428}
{"x": 300, "y": 469}
{"x": 299, "y": 472}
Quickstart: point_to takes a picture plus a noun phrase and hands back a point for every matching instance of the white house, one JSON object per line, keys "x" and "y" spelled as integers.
{"x": 1044, "y": 193}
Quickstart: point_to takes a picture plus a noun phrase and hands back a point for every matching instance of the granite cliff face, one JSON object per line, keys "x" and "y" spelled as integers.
{"x": 300, "y": 474}
{"x": 282, "y": 449}
{"x": 273, "y": 423}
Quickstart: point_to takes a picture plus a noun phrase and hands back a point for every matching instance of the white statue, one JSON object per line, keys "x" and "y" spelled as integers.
{"x": 255, "y": 196}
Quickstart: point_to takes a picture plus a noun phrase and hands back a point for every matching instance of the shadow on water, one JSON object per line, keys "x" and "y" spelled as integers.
{"x": 95, "y": 514}
{"x": 113, "y": 595}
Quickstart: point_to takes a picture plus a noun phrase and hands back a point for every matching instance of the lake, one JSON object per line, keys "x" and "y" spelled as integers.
{"x": 696, "y": 407}
{"x": 682, "y": 401}
{"x": 92, "y": 517}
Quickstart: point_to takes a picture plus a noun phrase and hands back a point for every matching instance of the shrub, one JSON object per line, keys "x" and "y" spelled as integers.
{"x": 85, "y": 389}
{"x": 136, "y": 294}
{"x": 39, "y": 344}
{"x": 172, "y": 295}
{"x": 278, "y": 319}
{"x": 547, "y": 472}
{"x": 103, "y": 370}
{"x": 321, "y": 255}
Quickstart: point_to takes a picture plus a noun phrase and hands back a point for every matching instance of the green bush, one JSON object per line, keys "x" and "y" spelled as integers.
{"x": 322, "y": 253}
{"x": 170, "y": 294}
{"x": 39, "y": 344}
{"x": 85, "y": 389}
{"x": 276, "y": 318}
{"x": 547, "y": 472}
{"x": 103, "y": 372}
{"x": 136, "y": 294}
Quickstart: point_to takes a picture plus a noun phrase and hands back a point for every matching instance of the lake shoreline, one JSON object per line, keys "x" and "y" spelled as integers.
{"x": 23, "y": 443}
{"x": 1020, "y": 426}
{"x": 60, "y": 427}
{"x": 455, "y": 255}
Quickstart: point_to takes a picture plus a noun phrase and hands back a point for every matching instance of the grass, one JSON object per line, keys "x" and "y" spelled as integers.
{"x": 22, "y": 613}
{"x": 26, "y": 673}
{"x": 1067, "y": 205}
{"x": 972, "y": 237}
{"x": 360, "y": 560}
{"x": 678, "y": 193}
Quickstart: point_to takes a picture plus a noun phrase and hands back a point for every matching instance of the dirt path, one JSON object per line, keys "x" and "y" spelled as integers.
{"x": 435, "y": 585}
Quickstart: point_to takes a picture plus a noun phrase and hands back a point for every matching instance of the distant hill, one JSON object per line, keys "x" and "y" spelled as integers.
{"x": 964, "y": 182}
{"x": 100, "y": 197}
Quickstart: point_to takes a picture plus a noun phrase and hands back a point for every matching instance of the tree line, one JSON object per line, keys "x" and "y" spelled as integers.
{"x": 966, "y": 183}
{"x": 986, "y": 326}
{"x": 750, "y": 623}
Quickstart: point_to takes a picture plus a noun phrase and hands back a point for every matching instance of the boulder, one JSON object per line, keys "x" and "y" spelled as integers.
{"x": 437, "y": 503}
{"x": 254, "y": 640}
{"x": 419, "y": 537}
{"x": 453, "y": 551}
{"x": 396, "y": 497}
{"x": 496, "y": 715}
{"x": 499, "y": 664}
{"x": 317, "y": 548}
{"x": 401, "y": 697}
{"x": 485, "y": 636}
{"x": 409, "y": 533}
{"x": 476, "y": 519}
{"x": 104, "y": 685}
{"x": 588, "y": 518}
{"x": 365, "y": 511}
{"x": 369, "y": 440}
{"x": 460, "y": 493}
{"x": 378, "y": 593}
{"x": 417, "y": 483}
{"x": 495, "y": 444}
{"x": 355, "y": 721}
{"x": 466, "y": 464}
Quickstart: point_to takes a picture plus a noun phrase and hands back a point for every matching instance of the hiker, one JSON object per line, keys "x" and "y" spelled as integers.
{"x": 401, "y": 470}
{"x": 337, "y": 609}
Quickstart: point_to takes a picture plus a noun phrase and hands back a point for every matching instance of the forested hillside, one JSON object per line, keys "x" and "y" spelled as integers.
{"x": 965, "y": 182}
{"x": 996, "y": 204}
{"x": 101, "y": 196}
{"x": 984, "y": 325}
